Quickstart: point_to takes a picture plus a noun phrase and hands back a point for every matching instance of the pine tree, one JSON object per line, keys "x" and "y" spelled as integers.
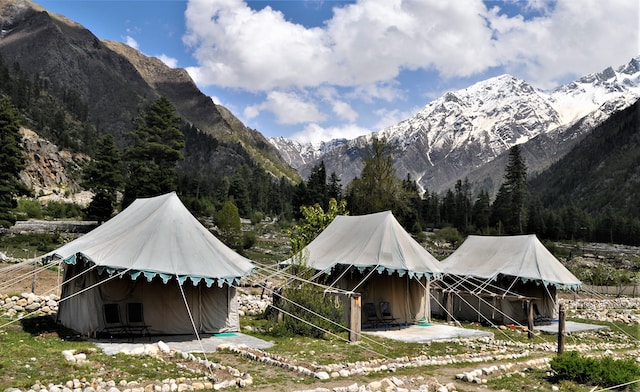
{"x": 12, "y": 161}
{"x": 535, "y": 220}
{"x": 158, "y": 147}
{"x": 317, "y": 189}
{"x": 407, "y": 208}
{"x": 334, "y": 187}
{"x": 508, "y": 211}
{"x": 516, "y": 179}
{"x": 377, "y": 187}
{"x": 462, "y": 211}
{"x": 104, "y": 177}
{"x": 482, "y": 211}
{"x": 228, "y": 221}
{"x": 239, "y": 190}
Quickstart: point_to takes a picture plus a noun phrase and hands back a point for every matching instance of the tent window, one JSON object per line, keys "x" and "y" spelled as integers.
{"x": 135, "y": 313}
{"x": 111, "y": 314}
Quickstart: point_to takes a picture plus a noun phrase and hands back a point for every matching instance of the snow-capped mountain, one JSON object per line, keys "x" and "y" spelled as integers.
{"x": 462, "y": 132}
{"x": 300, "y": 154}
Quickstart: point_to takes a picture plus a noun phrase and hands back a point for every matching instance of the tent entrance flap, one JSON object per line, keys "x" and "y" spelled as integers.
{"x": 407, "y": 297}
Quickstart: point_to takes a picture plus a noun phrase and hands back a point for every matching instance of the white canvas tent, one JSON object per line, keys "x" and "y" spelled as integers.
{"x": 155, "y": 253}
{"x": 373, "y": 255}
{"x": 494, "y": 278}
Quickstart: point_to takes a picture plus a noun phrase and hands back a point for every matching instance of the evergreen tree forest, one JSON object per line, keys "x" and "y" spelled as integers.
{"x": 12, "y": 161}
{"x": 590, "y": 195}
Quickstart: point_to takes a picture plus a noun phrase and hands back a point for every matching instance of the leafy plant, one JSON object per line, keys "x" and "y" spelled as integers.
{"x": 301, "y": 306}
{"x": 605, "y": 372}
{"x": 29, "y": 208}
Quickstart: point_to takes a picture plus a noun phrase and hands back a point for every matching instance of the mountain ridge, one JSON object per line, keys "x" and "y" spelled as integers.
{"x": 454, "y": 136}
{"x": 115, "y": 82}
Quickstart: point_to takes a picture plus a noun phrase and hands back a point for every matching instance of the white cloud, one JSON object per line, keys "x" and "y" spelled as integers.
{"x": 170, "y": 62}
{"x": 372, "y": 41}
{"x": 355, "y": 58}
{"x": 314, "y": 133}
{"x": 129, "y": 40}
{"x": 387, "y": 118}
{"x": 364, "y": 43}
{"x": 288, "y": 107}
{"x": 254, "y": 50}
{"x": 370, "y": 92}
{"x": 572, "y": 39}
{"x": 344, "y": 111}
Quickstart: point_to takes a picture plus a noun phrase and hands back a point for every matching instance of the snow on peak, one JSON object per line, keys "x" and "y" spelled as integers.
{"x": 585, "y": 95}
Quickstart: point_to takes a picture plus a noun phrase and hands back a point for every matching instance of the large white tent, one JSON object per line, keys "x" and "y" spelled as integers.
{"x": 155, "y": 252}
{"x": 496, "y": 278}
{"x": 373, "y": 255}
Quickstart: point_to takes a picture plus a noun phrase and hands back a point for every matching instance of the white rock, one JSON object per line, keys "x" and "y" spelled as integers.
{"x": 164, "y": 347}
{"x": 374, "y": 386}
{"x": 323, "y": 375}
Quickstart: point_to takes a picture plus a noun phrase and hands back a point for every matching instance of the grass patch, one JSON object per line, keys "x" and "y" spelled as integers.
{"x": 31, "y": 351}
{"x": 30, "y": 245}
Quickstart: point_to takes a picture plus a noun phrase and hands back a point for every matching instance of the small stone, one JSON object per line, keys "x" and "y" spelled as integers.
{"x": 164, "y": 347}
{"x": 323, "y": 375}
{"x": 374, "y": 386}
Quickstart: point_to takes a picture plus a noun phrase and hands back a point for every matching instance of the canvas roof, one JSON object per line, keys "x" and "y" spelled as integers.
{"x": 369, "y": 241}
{"x": 158, "y": 236}
{"x": 522, "y": 256}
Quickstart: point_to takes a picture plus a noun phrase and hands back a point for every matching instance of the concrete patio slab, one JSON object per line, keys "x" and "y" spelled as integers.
{"x": 185, "y": 343}
{"x": 420, "y": 333}
{"x": 569, "y": 326}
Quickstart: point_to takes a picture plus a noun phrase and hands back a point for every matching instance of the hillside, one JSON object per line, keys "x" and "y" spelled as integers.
{"x": 602, "y": 172}
{"x": 97, "y": 87}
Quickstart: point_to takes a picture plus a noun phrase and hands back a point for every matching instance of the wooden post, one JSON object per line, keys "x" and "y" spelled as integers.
{"x": 35, "y": 268}
{"x": 530, "y": 319}
{"x": 561, "y": 329}
{"x": 449, "y": 306}
{"x": 355, "y": 317}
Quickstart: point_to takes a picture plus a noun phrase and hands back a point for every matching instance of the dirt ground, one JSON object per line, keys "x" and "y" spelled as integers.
{"x": 18, "y": 279}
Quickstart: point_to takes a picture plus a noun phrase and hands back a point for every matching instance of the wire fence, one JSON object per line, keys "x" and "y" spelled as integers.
{"x": 618, "y": 291}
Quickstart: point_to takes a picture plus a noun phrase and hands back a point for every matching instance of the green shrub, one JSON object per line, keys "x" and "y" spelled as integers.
{"x": 604, "y": 372}
{"x": 298, "y": 303}
{"x": 450, "y": 235}
{"x": 256, "y": 217}
{"x": 248, "y": 239}
{"x": 60, "y": 210}
{"x": 29, "y": 207}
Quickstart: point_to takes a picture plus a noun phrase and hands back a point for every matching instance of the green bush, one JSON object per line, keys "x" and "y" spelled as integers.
{"x": 256, "y": 217}
{"x": 62, "y": 210}
{"x": 450, "y": 235}
{"x": 604, "y": 372}
{"x": 298, "y": 303}
{"x": 29, "y": 207}
{"x": 248, "y": 239}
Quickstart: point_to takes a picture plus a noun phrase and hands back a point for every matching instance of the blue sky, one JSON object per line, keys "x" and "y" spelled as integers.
{"x": 315, "y": 70}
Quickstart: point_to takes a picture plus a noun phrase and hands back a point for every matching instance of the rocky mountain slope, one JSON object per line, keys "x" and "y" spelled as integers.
{"x": 466, "y": 133}
{"x": 115, "y": 82}
{"x": 52, "y": 172}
